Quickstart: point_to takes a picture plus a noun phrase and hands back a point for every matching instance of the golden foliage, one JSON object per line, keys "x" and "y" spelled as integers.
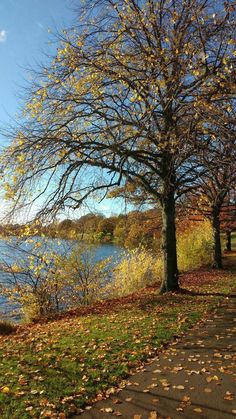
{"x": 194, "y": 246}
{"x": 139, "y": 268}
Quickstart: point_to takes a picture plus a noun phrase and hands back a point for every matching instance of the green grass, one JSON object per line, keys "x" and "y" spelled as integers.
{"x": 60, "y": 366}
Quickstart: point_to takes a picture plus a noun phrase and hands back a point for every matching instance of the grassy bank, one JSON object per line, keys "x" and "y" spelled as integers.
{"x": 54, "y": 369}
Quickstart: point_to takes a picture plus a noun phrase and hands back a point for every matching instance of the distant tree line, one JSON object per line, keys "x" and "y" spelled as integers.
{"x": 131, "y": 230}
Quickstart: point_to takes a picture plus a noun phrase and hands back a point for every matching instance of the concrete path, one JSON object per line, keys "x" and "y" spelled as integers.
{"x": 194, "y": 377}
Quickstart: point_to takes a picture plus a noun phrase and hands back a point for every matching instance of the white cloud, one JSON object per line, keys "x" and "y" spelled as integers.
{"x": 3, "y": 35}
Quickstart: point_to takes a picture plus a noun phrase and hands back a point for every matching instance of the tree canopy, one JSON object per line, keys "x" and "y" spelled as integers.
{"x": 125, "y": 99}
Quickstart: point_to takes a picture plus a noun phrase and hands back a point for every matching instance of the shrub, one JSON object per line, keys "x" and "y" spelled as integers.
{"x": 138, "y": 269}
{"x": 51, "y": 281}
{"x": 84, "y": 277}
{"x": 33, "y": 284}
{"x": 194, "y": 246}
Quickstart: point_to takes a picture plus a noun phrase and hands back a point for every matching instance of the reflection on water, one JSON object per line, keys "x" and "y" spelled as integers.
{"x": 10, "y": 254}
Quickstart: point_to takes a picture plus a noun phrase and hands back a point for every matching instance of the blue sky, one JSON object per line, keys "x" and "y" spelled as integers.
{"x": 24, "y": 40}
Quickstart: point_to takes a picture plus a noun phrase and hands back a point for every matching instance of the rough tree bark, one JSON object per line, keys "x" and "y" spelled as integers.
{"x": 217, "y": 253}
{"x": 170, "y": 269}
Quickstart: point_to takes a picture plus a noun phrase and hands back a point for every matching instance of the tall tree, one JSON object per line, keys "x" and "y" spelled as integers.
{"x": 228, "y": 223}
{"x": 219, "y": 172}
{"x": 120, "y": 102}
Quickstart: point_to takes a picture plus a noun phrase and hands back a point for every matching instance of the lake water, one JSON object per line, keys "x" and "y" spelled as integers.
{"x": 10, "y": 254}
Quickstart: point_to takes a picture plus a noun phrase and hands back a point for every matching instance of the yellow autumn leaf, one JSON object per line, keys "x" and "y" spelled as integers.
{"x": 161, "y": 83}
{"x": 153, "y": 415}
{"x": 5, "y": 389}
{"x": 197, "y": 410}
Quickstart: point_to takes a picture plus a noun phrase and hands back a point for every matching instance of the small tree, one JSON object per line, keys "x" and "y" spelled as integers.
{"x": 32, "y": 283}
{"x": 85, "y": 277}
{"x": 44, "y": 281}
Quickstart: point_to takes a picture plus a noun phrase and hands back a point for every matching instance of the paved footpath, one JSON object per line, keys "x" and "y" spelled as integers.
{"x": 194, "y": 377}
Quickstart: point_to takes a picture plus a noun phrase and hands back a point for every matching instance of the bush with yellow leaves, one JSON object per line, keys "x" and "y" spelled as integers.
{"x": 138, "y": 268}
{"x": 85, "y": 278}
{"x": 46, "y": 281}
{"x": 194, "y": 246}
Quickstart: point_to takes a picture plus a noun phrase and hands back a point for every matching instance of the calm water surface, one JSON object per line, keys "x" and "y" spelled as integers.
{"x": 10, "y": 255}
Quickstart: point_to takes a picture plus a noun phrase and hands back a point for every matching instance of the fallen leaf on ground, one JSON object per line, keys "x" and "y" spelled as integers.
{"x": 153, "y": 385}
{"x": 107, "y": 409}
{"x": 34, "y": 392}
{"x": 164, "y": 383}
{"x": 28, "y": 409}
{"x": 228, "y": 397}
{"x": 153, "y": 415}
{"x": 212, "y": 378}
{"x": 5, "y": 389}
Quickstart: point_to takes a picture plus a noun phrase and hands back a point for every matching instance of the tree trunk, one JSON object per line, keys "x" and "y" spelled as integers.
{"x": 228, "y": 241}
{"x": 217, "y": 255}
{"x": 170, "y": 270}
